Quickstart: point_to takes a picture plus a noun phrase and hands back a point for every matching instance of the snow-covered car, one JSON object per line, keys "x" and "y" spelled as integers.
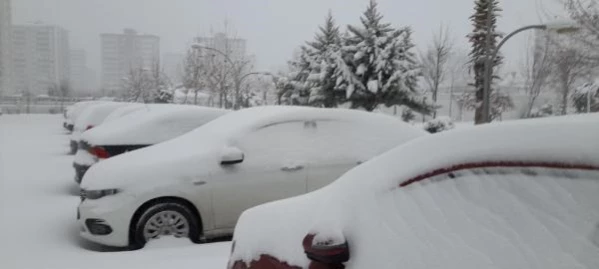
{"x": 125, "y": 110}
{"x": 502, "y": 196}
{"x": 151, "y": 125}
{"x": 90, "y": 117}
{"x": 198, "y": 184}
{"x": 73, "y": 112}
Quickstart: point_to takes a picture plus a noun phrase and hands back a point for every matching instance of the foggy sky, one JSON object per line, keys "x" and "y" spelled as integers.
{"x": 273, "y": 28}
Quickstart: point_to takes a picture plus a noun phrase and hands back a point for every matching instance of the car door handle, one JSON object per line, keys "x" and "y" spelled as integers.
{"x": 292, "y": 168}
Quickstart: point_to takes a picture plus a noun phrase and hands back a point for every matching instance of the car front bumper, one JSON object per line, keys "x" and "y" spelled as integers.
{"x": 113, "y": 212}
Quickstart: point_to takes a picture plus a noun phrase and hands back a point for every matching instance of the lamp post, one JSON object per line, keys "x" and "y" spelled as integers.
{"x": 237, "y": 69}
{"x": 559, "y": 28}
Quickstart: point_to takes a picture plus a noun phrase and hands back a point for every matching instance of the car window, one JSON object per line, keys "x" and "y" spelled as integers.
{"x": 351, "y": 141}
{"x": 540, "y": 212}
{"x": 278, "y": 143}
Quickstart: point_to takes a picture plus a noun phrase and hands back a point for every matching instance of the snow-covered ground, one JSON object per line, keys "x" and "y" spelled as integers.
{"x": 38, "y": 201}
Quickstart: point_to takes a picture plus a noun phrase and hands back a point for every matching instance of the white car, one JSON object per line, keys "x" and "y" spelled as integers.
{"x": 92, "y": 116}
{"x": 125, "y": 110}
{"x": 523, "y": 194}
{"x": 145, "y": 126}
{"x": 197, "y": 185}
{"x": 71, "y": 113}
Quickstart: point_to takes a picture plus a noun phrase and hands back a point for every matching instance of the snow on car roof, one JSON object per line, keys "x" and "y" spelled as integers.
{"x": 77, "y": 108}
{"x": 252, "y": 118}
{"x": 95, "y": 114}
{"x": 152, "y": 124}
{"x": 123, "y": 111}
{"x": 271, "y": 228}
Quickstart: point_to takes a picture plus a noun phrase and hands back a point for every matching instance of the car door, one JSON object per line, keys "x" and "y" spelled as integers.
{"x": 273, "y": 168}
{"x": 333, "y": 142}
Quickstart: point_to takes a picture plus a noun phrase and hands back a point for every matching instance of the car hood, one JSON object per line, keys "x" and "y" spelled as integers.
{"x": 153, "y": 166}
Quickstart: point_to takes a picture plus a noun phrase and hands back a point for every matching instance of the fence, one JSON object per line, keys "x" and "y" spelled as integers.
{"x": 36, "y": 104}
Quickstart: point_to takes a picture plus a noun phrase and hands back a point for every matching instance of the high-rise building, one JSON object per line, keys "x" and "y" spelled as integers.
{"x": 124, "y": 52}
{"x": 5, "y": 46}
{"x": 234, "y": 48}
{"x": 40, "y": 58}
{"x": 78, "y": 69}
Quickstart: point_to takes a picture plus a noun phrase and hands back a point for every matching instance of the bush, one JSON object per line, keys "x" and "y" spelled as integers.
{"x": 407, "y": 115}
{"x": 544, "y": 111}
{"x": 438, "y": 125}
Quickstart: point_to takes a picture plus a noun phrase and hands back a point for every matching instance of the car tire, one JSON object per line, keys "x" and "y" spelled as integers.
{"x": 156, "y": 212}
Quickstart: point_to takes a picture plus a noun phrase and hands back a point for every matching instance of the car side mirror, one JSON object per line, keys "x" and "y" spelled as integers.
{"x": 231, "y": 156}
{"x": 327, "y": 252}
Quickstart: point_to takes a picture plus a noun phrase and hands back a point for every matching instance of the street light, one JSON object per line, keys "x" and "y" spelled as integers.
{"x": 237, "y": 69}
{"x": 562, "y": 27}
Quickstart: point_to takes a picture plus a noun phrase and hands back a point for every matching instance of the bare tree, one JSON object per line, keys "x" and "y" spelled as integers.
{"x": 161, "y": 84}
{"x": 569, "y": 65}
{"x": 458, "y": 77}
{"x": 62, "y": 90}
{"x": 536, "y": 70}
{"x": 435, "y": 60}
{"x": 194, "y": 68}
{"x": 586, "y": 14}
{"x": 137, "y": 85}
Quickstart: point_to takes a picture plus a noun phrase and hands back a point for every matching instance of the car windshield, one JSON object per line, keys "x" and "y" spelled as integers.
{"x": 299, "y": 134}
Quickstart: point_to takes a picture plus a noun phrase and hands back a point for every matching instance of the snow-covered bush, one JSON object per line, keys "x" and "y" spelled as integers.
{"x": 408, "y": 115}
{"x": 544, "y": 111}
{"x": 438, "y": 125}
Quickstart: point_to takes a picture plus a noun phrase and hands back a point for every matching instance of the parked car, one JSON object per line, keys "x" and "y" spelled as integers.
{"x": 125, "y": 110}
{"x": 502, "y": 196}
{"x": 197, "y": 185}
{"x": 151, "y": 125}
{"x": 92, "y": 116}
{"x": 72, "y": 113}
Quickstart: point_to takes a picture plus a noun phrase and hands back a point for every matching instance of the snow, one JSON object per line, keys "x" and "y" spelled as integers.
{"x": 124, "y": 111}
{"x": 38, "y": 199}
{"x": 83, "y": 157}
{"x": 198, "y": 152}
{"x": 151, "y": 125}
{"x": 373, "y": 86}
{"x": 482, "y": 219}
{"x": 361, "y": 69}
{"x": 94, "y": 115}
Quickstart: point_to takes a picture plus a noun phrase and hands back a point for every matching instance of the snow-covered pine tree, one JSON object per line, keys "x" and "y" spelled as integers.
{"x": 294, "y": 87}
{"x": 483, "y": 11}
{"x": 313, "y": 80}
{"x": 376, "y": 65}
{"x": 327, "y": 42}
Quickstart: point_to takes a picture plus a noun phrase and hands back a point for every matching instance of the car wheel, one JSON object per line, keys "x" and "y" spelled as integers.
{"x": 165, "y": 219}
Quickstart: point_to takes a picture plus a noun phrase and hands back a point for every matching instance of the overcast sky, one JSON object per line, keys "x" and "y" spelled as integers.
{"x": 273, "y": 28}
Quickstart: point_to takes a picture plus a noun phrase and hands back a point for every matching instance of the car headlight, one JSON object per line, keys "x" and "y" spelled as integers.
{"x": 97, "y": 194}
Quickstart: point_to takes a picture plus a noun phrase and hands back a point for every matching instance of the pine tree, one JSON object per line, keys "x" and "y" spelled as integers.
{"x": 376, "y": 65}
{"x": 313, "y": 82}
{"x": 481, "y": 48}
{"x": 323, "y": 68}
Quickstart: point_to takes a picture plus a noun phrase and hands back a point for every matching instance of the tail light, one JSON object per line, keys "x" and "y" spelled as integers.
{"x": 99, "y": 152}
{"x": 89, "y": 127}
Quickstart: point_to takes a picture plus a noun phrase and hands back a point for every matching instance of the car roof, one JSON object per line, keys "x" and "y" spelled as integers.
{"x": 96, "y": 113}
{"x": 152, "y": 124}
{"x": 246, "y": 120}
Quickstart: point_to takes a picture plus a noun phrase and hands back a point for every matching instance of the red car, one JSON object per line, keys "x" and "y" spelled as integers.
{"x": 523, "y": 194}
